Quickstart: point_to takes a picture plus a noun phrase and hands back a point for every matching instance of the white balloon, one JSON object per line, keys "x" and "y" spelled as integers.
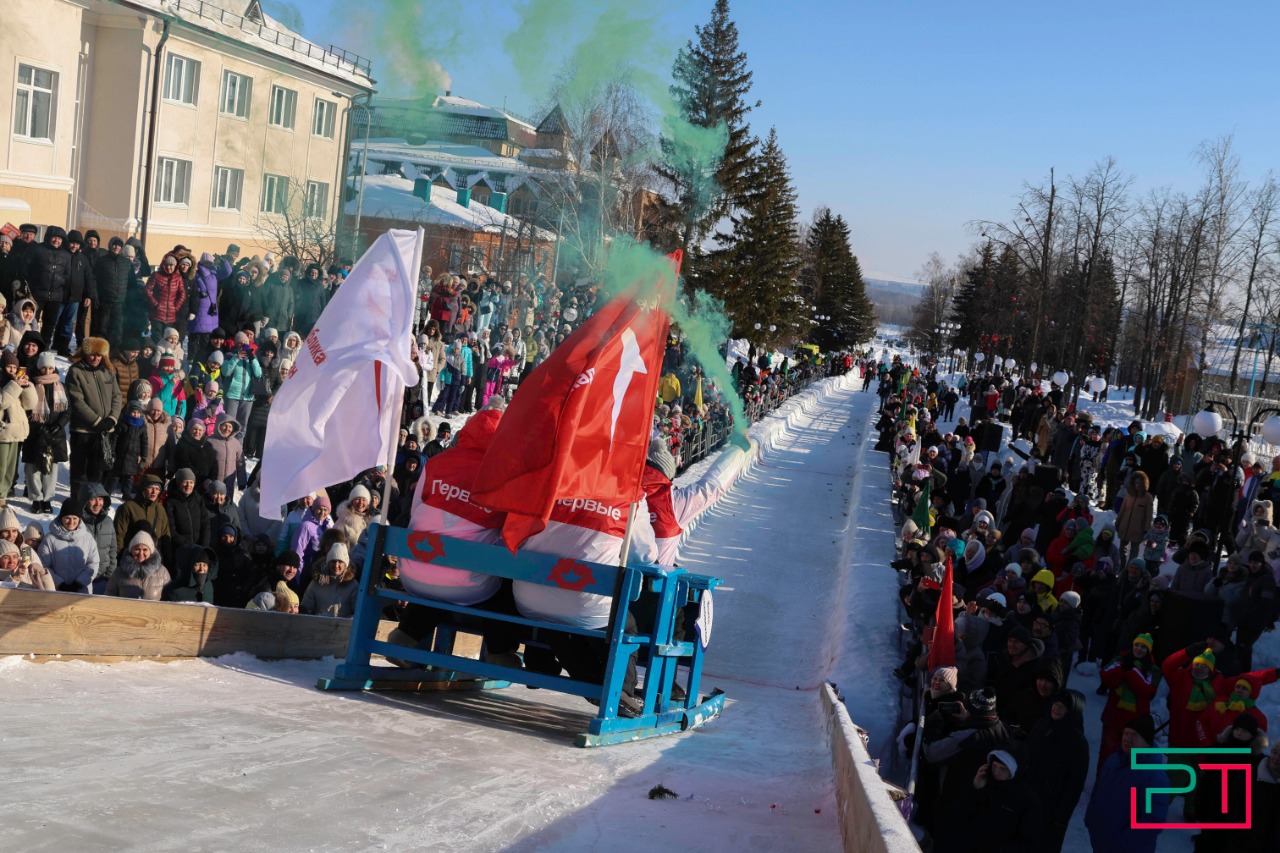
{"x": 1061, "y": 378}
{"x": 979, "y": 357}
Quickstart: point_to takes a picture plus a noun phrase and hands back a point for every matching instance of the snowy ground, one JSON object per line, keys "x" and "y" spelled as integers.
{"x": 241, "y": 753}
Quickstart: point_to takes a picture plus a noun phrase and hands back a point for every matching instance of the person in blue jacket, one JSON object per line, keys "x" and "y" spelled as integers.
{"x": 1108, "y": 817}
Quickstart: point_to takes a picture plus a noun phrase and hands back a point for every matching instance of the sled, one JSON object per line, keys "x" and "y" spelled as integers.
{"x": 676, "y": 593}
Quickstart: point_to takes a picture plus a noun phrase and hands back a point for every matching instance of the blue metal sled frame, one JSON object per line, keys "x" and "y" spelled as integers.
{"x": 674, "y": 588}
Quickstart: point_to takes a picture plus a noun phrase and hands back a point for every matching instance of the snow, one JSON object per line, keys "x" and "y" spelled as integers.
{"x": 235, "y": 752}
{"x": 391, "y": 197}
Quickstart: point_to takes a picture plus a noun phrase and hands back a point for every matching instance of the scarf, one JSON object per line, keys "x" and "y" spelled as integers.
{"x": 1235, "y": 705}
{"x": 42, "y": 410}
{"x": 1201, "y": 696}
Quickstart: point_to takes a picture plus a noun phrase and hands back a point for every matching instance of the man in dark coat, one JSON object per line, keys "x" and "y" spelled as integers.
{"x": 111, "y": 271}
{"x": 80, "y": 294}
{"x": 1056, "y": 764}
{"x": 48, "y": 272}
{"x": 93, "y": 398}
{"x": 957, "y": 744}
{"x": 188, "y": 518}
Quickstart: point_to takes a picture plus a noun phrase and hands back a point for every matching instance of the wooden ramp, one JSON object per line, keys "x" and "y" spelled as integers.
{"x": 49, "y": 624}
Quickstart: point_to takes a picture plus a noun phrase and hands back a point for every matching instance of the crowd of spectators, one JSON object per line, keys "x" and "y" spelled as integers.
{"x": 1058, "y": 559}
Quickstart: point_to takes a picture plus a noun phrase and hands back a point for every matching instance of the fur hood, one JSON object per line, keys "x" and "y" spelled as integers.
{"x": 1266, "y": 513}
{"x": 131, "y": 568}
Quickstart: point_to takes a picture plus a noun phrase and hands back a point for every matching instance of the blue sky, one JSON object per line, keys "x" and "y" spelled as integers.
{"x": 912, "y": 119}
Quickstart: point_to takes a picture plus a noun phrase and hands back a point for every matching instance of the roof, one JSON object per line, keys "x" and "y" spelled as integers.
{"x": 229, "y": 18}
{"x": 391, "y": 197}
{"x": 449, "y": 116}
{"x": 460, "y": 163}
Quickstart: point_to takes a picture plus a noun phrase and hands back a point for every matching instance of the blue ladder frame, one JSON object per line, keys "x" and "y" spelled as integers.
{"x": 674, "y": 588}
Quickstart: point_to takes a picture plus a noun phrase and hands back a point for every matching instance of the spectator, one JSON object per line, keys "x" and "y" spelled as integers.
{"x": 94, "y": 400}
{"x": 46, "y": 445}
{"x": 29, "y": 575}
{"x": 111, "y": 274}
{"x": 1057, "y": 764}
{"x": 166, "y": 293}
{"x": 228, "y": 456}
{"x": 144, "y": 512}
{"x": 333, "y": 589}
{"x": 188, "y": 519}
{"x": 96, "y": 519}
{"x": 17, "y": 398}
{"x": 69, "y": 551}
{"x": 196, "y": 570}
{"x": 311, "y": 530}
{"x": 1108, "y": 817}
{"x": 194, "y": 452}
{"x": 141, "y": 572}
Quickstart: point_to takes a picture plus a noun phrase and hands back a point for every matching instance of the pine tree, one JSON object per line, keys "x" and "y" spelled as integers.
{"x": 754, "y": 266}
{"x": 831, "y": 281}
{"x": 711, "y": 86}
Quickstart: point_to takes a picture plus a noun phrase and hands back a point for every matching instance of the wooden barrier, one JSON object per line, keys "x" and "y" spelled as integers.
{"x": 48, "y": 624}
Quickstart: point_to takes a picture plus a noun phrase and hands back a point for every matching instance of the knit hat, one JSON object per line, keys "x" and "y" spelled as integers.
{"x": 262, "y": 601}
{"x": 170, "y": 332}
{"x": 216, "y": 357}
{"x": 183, "y": 475}
{"x": 1145, "y": 640}
{"x": 1070, "y": 598}
{"x": 48, "y": 358}
{"x": 169, "y": 361}
{"x": 130, "y": 251}
{"x": 70, "y": 508}
{"x": 995, "y": 598}
{"x": 1206, "y": 657}
{"x": 142, "y": 537}
{"x": 7, "y": 359}
{"x": 289, "y": 558}
{"x": 338, "y": 552}
{"x": 949, "y": 674}
{"x": 359, "y": 492}
{"x": 9, "y": 519}
{"x": 241, "y": 339}
{"x": 660, "y": 457}
{"x": 1246, "y": 722}
{"x": 1143, "y": 725}
{"x": 1014, "y": 569}
{"x": 1004, "y": 758}
{"x": 217, "y": 487}
{"x": 1021, "y": 634}
{"x": 269, "y": 333}
{"x": 7, "y": 547}
{"x": 982, "y": 700}
{"x": 323, "y": 502}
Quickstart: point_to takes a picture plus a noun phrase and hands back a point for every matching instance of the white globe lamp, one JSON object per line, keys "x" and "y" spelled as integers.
{"x": 1271, "y": 430}
{"x": 1207, "y": 423}
{"x": 1097, "y": 384}
{"x": 1060, "y": 379}
{"x": 979, "y": 357}
{"x": 1034, "y": 367}
{"x": 1010, "y": 363}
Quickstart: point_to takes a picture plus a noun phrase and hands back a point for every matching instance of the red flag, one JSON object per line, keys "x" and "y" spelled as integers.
{"x": 579, "y": 426}
{"x": 942, "y": 651}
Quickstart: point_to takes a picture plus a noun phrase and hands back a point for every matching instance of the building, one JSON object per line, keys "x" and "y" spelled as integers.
{"x": 200, "y": 122}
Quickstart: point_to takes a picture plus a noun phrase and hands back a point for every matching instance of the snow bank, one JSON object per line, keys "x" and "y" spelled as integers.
{"x": 869, "y": 820}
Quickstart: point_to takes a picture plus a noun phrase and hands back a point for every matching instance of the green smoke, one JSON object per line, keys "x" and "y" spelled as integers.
{"x": 411, "y": 42}
{"x": 700, "y": 316}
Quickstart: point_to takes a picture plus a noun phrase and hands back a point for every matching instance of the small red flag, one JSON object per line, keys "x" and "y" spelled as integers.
{"x": 942, "y": 651}
{"x": 579, "y": 425}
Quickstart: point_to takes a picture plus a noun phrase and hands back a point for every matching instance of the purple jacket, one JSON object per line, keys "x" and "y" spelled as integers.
{"x": 306, "y": 542}
{"x": 204, "y": 296}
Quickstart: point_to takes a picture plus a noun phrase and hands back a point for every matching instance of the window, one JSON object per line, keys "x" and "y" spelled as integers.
{"x": 173, "y": 181}
{"x": 477, "y": 256}
{"x": 227, "y": 185}
{"x": 181, "y": 79}
{"x": 283, "y": 103}
{"x": 317, "y": 201}
{"x": 322, "y": 120}
{"x": 275, "y": 194}
{"x": 237, "y": 89}
{"x": 34, "y": 102}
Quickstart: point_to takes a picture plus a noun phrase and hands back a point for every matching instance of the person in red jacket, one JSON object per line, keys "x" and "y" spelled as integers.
{"x": 1242, "y": 700}
{"x": 1132, "y": 680}
{"x": 166, "y": 292}
{"x": 1194, "y": 688}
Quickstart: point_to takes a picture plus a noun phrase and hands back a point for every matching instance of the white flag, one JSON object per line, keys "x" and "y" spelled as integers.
{"x": 338, "y": 412}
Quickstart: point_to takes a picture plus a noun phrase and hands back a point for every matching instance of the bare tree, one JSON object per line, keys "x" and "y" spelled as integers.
{"x": 1259, "y": 239}
{"x": 299, "y": 226}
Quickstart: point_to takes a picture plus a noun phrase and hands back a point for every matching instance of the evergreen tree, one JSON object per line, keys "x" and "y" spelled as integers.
{"x": 831, "y": 281}
{"x": 711, "y": 86}
{"x": 754, "y": 266}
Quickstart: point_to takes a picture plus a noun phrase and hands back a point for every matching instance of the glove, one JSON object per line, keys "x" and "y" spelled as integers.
{"x": 106, "y": 424}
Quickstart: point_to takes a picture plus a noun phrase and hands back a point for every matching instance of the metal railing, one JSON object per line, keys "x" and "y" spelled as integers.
{"x": 332, "y": 55}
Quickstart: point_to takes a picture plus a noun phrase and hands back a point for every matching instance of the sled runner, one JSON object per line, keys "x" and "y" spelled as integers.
{"x": 673, "y": 591}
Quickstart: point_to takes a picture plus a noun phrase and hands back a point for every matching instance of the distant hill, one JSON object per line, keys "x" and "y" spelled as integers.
{"x": 893, "y": 299}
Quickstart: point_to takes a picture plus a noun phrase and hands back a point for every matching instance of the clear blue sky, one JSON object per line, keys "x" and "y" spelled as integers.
{"x": 913, "y": 118}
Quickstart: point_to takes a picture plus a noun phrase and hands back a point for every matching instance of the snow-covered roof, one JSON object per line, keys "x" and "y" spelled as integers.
{"x": 460, "y": 164}
{"x": 228, "y": 18}
{"x": 465, "y": 106}
{"x": 1222, "y": 351}
{"x": 391, "y": 197}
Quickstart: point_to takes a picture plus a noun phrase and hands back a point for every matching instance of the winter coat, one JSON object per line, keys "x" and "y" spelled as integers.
{"x": 131, "y": 445}
{"x": 306, "y": 540}
{"x": 188, "y": 520}
{"x": 1056, "y": 762}
{"x": 185, "y": 585}
{"x": 238, "y": 375}
{"x": 101, "y": 528}
{"x": 1190, "y": 701}
{"x": 172, "y": 394}
{"x": 228, "y": 455}
{"x": 139, "y": 580}
{"x": 49, "y": 270}
{"x": 111, "y": 275}
{"x": 204, "y": 296}
{"x": 1192, "y": 581}
{"x": 435, "y": 346}
{"x": 254, "y": 524}
{"x": 1256, "y": 611}
{"x": 15, "y": 403}
{"x": 126, "y": 373}
{"x": 1108, "y": 816}
{"x": 157, "y": 437}
{"x": 71, "y": 556}
{"x": 1134, "y": 518}
{"x": 278, "y": 304}
{"x": 133, "y": 514}
{"x": 1264, "y": 835}
{"x": 309, "y": 301}
{"x": 235, "y": 575}
{"x": 92, "y": 395}
{"x": 166, "y": 296}
{"x": 327, "y": 596}
{"x": 198, "y": 456}
{"x": 350, "y": 522}
{"x": 79, "y": 278}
